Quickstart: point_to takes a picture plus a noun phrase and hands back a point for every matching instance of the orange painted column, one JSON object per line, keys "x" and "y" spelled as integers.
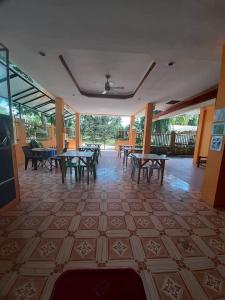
{"x": 213, "y": 191}
{"x": 198, "y": 142}
{"x": 77, "y": 130}
{"x": 149, "y": 107}
{"x": 203, "y": 137}
{"x": 132, "y": 133}
{"x": 59, "y": 117}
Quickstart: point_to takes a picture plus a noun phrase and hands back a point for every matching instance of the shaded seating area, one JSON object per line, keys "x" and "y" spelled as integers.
{"x": 39, "y": 156}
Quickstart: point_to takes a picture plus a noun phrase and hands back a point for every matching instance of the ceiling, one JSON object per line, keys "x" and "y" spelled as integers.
{"x": 117, "y": 37}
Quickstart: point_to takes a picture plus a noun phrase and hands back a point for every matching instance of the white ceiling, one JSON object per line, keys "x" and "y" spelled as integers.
{"x": 119, "y": 37}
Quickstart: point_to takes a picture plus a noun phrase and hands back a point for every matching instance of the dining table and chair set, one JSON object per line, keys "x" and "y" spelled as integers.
{"x": 84, "y": 160}
{"x": 143, "y": 164}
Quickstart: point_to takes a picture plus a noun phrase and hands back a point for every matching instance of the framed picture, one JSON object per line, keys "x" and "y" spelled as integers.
{"x": 216, "y": 143}
{"x": 219, "y": 115}
{"x": 218, "y": 128}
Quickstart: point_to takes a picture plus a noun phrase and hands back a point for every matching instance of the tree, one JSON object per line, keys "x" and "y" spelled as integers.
{"x": 99, "y": 128}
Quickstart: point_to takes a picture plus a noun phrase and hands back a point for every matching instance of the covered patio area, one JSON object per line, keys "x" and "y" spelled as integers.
{"x": 71, "y": 72}
{"x": 111, "y": 222}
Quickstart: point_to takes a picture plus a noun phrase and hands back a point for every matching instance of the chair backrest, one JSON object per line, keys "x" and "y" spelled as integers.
{"x": 27, "y": 151}
{"x": 34, "y": 144}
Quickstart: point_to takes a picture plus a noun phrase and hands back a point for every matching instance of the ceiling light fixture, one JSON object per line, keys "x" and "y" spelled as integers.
{"x": 42, "y": 53}
{"x": 171, "y": 63}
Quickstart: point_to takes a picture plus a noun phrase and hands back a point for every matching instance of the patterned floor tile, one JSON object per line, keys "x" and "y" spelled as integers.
{"x": 84, "y": 249}
{"x": 171, "y": 286}
{"x": 136, "y": 206}
{"x": 143, "y": 222}
{"x": 114, "y": 206}
{"x": 60, "y": 223}
{"x": 116, "y": 222}
{"x": 6, "y": 221}
{"x": 120, "y": 248}
{"x": 169, "y": 222}
{"x": 47, "y": 249}
{"x": 10, "y": 248}
{"x": 186, "y": 246}
{"x": 88, "y": 222}
{"x": 27, "y": 287}
{"x": 216, "y": 244}
{"x": 154, "y": 247}
{"x": 212, "y": 283}
{"x": 194, "y": 222}
{"x": 32, "y": 222}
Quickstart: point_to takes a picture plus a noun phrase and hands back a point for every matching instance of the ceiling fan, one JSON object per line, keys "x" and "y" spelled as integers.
{"x": 109, "y": 85}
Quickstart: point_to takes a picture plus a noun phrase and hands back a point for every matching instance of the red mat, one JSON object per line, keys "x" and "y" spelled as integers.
{"x": 101, "y": 284}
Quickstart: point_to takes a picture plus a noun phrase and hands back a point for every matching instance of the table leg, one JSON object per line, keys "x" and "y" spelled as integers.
{"x": 139, "y": 170}
{"x": 35, "y": 163}
{"x": 162, "y": 171}
{"x": 88, "y": 169}
{"x": 62, "y": 169}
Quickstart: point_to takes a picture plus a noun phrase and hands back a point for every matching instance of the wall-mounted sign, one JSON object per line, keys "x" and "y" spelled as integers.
{"x": 219, "y": 115}
{"x": 216, "y": 143}
{"x": 218, "y": 129}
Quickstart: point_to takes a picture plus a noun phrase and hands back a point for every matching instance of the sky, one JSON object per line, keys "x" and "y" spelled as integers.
{"x": 125, "y": 121}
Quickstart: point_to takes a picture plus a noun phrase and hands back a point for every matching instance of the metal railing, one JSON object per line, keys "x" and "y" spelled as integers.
{"x": 122, "y": 134}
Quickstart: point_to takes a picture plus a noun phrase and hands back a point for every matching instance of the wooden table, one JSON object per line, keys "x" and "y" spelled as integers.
{"x": 142, "y": 159}
{"x": 84, "y": 156}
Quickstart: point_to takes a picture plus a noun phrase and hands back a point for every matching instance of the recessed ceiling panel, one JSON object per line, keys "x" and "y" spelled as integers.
{"x": 90, "y": 68}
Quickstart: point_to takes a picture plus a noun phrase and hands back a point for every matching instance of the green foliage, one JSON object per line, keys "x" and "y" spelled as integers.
{"x": 99, "y": 128}
{"x": 139, "y": 123}
{"x": 161, "y": 126}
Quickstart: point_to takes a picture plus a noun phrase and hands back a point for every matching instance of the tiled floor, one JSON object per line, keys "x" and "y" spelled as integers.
{"x": 166, "y": 233}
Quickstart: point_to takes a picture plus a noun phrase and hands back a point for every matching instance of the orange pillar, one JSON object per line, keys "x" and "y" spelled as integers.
{"x": 203, "y": 137}
{"x": 77, "y": 130}
{"x": 132, "y": 130}
{"x": 148, "y": 127}
{"x": 59, "y": 117}
{"x": 199, "y": 135}
{"x": 213, "y": 190}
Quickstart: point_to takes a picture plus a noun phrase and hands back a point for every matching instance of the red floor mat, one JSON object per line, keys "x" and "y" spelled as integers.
{"x": 110, "y": 284}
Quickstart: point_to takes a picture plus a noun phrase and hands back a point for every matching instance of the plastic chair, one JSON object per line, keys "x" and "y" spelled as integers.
{"x": 28, "y": 154}
{"x": 72, "y": 165}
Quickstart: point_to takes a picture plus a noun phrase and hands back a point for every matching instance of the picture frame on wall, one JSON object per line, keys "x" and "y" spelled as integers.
{"x": 219, "y": 115}
{"x": 218, "y": 129}
{"x": 216, "y": 143}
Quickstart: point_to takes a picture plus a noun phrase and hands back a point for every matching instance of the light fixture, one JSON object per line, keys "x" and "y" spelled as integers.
{"x": 171, "y": 63}
{"x": 42, "y": 53}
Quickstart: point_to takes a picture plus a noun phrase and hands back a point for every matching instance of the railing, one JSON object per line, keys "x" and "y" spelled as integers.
{"x": 170, "y": 143}
{"x": 187, "y": 139}
{"x": 161, "y": 139}
{"x": 173, "y": 139}
{"x": 122, "y": 134}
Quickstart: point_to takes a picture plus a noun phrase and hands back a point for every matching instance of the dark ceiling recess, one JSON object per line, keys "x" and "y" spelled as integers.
{"x": 100, "y": 95}
{"x": 173, "y": 102}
